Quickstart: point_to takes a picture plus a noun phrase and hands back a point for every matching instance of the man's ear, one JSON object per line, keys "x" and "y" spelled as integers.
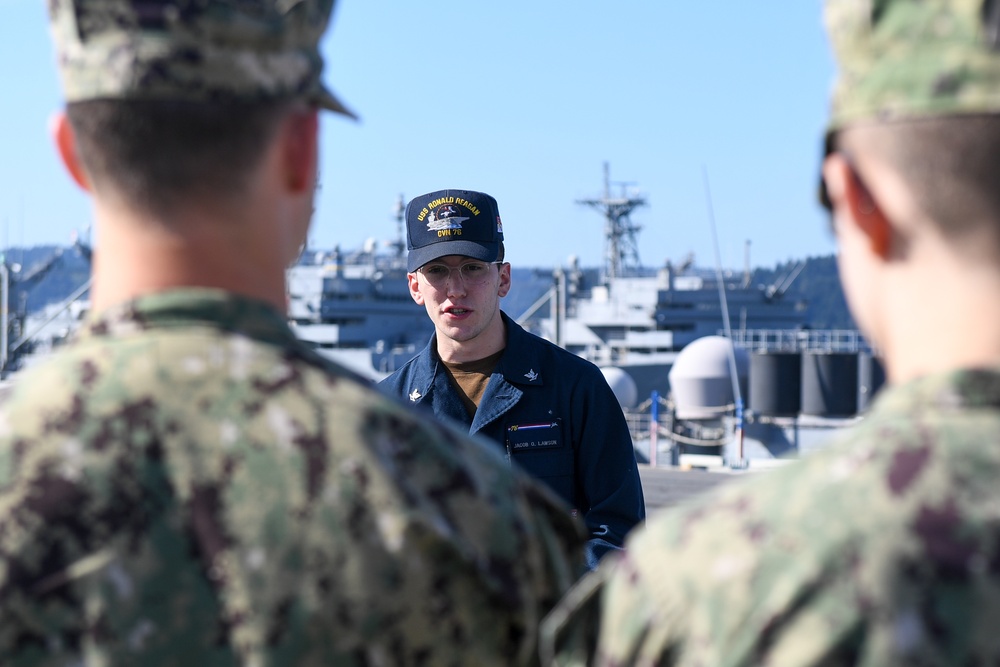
{"x": 504, "y": 279}
{"x": 415, "y": 294}
{"x": 300, "y": 137}
{"x": 65, "y": 141}
{"x": 854, "y": 204}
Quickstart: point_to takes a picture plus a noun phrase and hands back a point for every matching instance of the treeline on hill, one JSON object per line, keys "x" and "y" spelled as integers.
{"x": 818, "y": 284}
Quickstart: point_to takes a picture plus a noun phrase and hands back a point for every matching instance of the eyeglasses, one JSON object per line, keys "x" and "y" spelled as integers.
{"x": 472, "y": 273}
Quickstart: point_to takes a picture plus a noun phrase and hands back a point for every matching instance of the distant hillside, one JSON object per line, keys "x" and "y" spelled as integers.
{"x": 819, "y": 286}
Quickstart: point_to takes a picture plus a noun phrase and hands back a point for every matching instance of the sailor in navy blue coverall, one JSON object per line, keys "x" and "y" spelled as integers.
{"x": 556, "y": 417}
{"x": 549, "y": 411}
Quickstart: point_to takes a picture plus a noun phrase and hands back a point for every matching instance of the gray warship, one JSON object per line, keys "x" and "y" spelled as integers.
{"x": 649, "y": 329}
{"x": 355, "y": 308}
{"x": 712, "y": 368}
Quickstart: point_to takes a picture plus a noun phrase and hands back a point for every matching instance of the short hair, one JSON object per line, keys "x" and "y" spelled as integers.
{"x": 500, "y": 253}
{"x": 159, "y": 154}
{"x": 949, "y": 164}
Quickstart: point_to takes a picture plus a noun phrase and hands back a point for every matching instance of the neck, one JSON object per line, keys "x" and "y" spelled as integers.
{"x": 942, "y": 319}
{"x": 136, "y": 257}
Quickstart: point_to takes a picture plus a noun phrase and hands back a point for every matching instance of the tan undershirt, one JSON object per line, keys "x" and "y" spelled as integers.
{"x": 470, "y": 379}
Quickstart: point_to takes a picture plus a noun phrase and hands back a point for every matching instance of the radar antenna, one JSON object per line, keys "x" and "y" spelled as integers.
{"x": 621, "y": 252}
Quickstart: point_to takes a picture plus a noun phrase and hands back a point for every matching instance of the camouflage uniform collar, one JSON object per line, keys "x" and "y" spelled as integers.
{"x": 188, "y": 307}
{"x": 962, "y": 388}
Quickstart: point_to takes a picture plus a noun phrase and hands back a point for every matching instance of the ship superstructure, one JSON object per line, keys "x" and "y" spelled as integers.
{"x": 355, "y": 307}
{"x": 640, "y": 324}
{"x": 626, "y": 314}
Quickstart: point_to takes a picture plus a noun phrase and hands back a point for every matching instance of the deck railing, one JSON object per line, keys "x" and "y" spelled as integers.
{"x": 804, "y": 340}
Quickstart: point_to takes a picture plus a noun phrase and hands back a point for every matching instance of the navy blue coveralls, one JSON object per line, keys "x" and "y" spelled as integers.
{"x": 555, "y": 415}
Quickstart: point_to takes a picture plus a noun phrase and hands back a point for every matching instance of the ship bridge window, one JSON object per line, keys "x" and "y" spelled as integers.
{"x": 340, "y": 296}
{"x": 616, "y": 333}
{"x": 377, "y": 296}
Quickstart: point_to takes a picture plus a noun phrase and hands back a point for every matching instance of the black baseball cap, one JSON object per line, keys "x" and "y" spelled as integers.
{"x": 452, "y": 222}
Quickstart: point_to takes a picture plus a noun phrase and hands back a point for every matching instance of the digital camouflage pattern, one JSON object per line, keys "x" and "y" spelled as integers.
{"x": 198, "y": 50}
{"x": 882, "y": 550}
{"x": 187, "y": 484}
{"x": 903, "y": 59}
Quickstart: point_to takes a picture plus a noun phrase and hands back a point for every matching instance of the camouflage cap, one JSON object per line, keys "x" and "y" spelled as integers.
{"x": 903, "y": 59}
{"x": 192, "y": 49}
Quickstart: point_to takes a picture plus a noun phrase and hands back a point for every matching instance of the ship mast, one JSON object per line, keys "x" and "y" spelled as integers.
{"x": 399, "y": 212}
{"x": 621, "y": 252}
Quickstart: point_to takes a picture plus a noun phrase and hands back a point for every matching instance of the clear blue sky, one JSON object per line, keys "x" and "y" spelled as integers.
{"x": 524, "y": 100}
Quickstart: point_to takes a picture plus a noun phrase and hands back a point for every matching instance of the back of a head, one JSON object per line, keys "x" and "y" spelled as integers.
{"x": 175, "y": 99}
{"x": 919, "y": 88}
{"x": 269, "y": 508}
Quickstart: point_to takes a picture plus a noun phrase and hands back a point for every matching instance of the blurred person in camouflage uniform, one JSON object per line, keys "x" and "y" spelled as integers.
{"x": 885, "y": 548}
{"x": 186, "y": 483}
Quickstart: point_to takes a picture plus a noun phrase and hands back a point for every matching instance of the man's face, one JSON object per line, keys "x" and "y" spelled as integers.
{"x": 461, "y": 295}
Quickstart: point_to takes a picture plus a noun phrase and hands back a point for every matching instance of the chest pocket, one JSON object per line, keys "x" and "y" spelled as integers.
{"x": 542, "y": 450}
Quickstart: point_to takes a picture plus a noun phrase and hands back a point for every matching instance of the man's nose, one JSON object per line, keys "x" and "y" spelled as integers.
{"x": 455, "y": 281}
